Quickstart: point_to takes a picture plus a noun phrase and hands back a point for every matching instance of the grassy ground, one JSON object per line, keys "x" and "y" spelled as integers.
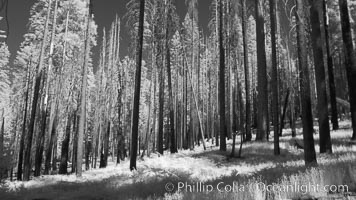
{"x": 221, "y": 177}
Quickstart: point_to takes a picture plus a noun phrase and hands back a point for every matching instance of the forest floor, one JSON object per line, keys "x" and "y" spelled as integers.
{"x": 210, "y": 174}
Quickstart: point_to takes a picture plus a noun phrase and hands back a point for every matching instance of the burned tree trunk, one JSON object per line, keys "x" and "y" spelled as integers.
{"x": 136, "y": 106}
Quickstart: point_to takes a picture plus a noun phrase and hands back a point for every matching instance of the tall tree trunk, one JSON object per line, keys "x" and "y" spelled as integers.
{"x": 148, "y": 119}
{"x": 197, "y": 108}
{"x": 275, "y": 93}
{"x": 83, "y": 93}
{"x": 136, "y": 106}
{"x": 247, "y": 72}
{"x": 323, "y": 117}
{"x": 237, "y": 108}
{"x": 50, "y": 148}
{"x": 41, "y": 136}
{"x": 14, "y": 141}
{"x": 292, "y": 94}
{"x": 100, "y": 95}
{"x": 262, "y": 99}
{"x": 223, "y": 128}
{"x": 65, "y": 148}
{"x": 334, "y": 112}
{"x": 152, "y": 101}
{"x": 153, "y": 130}
{"x": 185, "y": 105}
{"x": 195, "y": 102}
{"x": 111, "y": 62}
{"x": 40, "y": 143}
{"x": 54, "y": 154}
{"x": 75, "y": 140}
{"x": 65, "y": 143}
{"x": 173, "y": 147}
{"x": 307, "y": 118}
{"x": 53, "y": 119}
{"x": 119, "y": 130}
{"x": 193, "y": 67}
{"x": 22, "y": 139}
{"x": 228, "y": 70}
{"x": 160, "y": 110}
{"x": 217, "y": 122}
{"x": 119, "y": 98}
{"x": 241, "y": 126}
{"x": 284, "y": 112}
{"x": 350, "y": 60}
{"x": 105, "y": 152}
{"x": 161, "y": 77}
{"x": 2, "y": 163}
{"x": 36, "y": 94}
{"x": 45, "y": 108}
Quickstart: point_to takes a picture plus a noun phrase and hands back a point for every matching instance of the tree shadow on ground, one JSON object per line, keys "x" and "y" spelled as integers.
{"x": 252, "y": 153}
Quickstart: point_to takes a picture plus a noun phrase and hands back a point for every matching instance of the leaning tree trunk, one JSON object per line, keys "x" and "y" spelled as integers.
{"x": 36, "y": 94}
{"x": 136, "y": 106}
{"x": 307, "y": 118}
{"x": 197, "y": 108}
{"x": 323, "y": 117}
{"x": 350, "y": 60}
{"x": 262, "y": 114}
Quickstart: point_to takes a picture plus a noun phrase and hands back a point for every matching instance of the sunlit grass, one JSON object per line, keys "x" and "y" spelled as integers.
{"x": 258, "y": 164}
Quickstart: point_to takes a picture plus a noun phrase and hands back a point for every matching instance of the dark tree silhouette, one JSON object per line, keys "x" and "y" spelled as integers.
{"x": 322, "y": 105}
{"x": 136, "y": 106}
{"x": 223, "y": 128}
{"x": 262, "y": 99}
{"x": 275, "y": 93}
{"x": 307, "y": 118}
{"x": 350, "y": 60}
{"x": 247, "y": 72}
{"x": 334, "y": 112}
